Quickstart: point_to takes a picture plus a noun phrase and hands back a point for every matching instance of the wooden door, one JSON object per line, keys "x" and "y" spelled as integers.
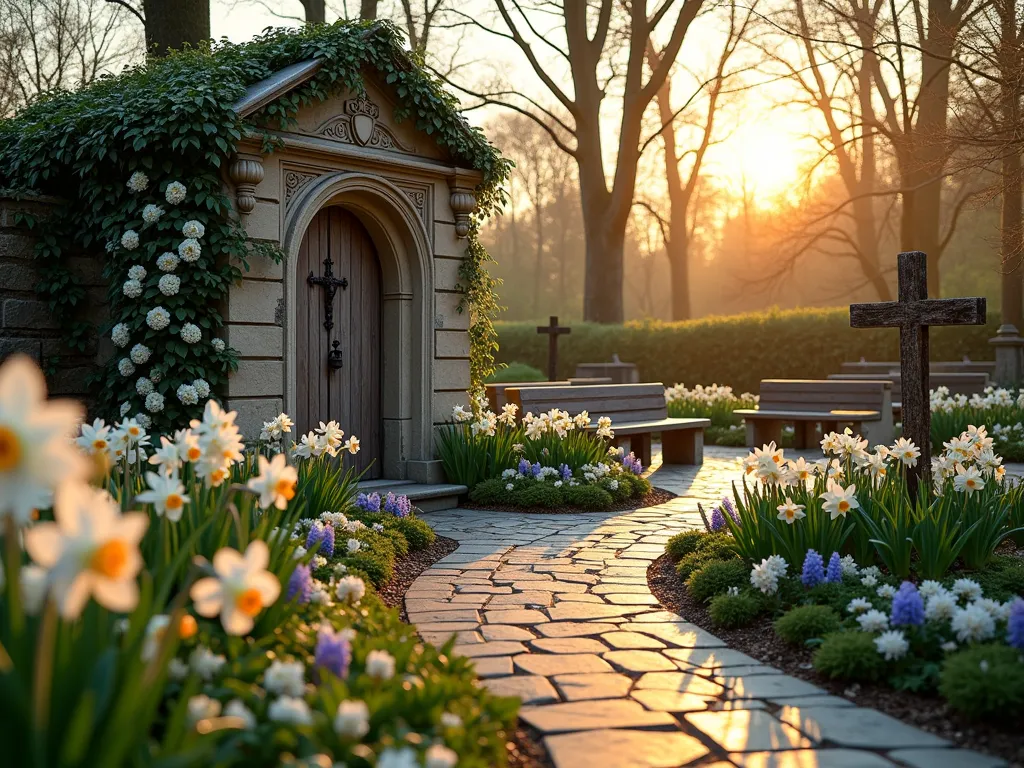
{"x": 349, "y": 394}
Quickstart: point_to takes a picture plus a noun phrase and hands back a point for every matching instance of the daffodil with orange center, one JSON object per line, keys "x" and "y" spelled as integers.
{"x": 91, "y": 550}
{"x": 276, "y": 482}
{"x": 241, "y": 588}
{"x": 167, "y": 495}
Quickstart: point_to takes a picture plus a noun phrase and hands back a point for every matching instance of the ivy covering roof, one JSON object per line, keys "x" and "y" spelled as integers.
{"x": 70, "y": 133}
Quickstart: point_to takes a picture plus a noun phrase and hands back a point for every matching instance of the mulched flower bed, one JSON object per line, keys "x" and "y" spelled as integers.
{"x": 928, "y": 712}
{"x": 525, "y": 748}
{"x": 655, "y": 497}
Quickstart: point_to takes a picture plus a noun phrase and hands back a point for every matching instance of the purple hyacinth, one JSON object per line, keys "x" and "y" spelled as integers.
{"x": 834, "y": 574}
{"x": 727, "y": 505}
{"x": 333, "y": 652}
{"x": 535, "y": 469}
{"x": 370, "y": 503}
{"x": 524, "y": 467}
{"x": 717, "y": 519}
{"x": 324, "y": 536}
{"x": 300, "y": 585}
{"x": 565, "y": 473}
{"x": 638, "y": 467}
{"x": 907, "y": 606}
{"x": 1015, "y": 625}
{"x": 814, "y": 569}
{"x": 397, "y": 505}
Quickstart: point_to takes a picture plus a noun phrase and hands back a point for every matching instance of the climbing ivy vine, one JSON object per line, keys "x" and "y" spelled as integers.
{"x": 138, "y": 159}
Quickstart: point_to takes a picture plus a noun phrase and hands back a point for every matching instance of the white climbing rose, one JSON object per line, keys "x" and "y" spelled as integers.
{"x": 130, "y": 240}
{"x": 143, "y": 386}
{"x": 137, "y": 272}
{"x": 140, "y": 354}
{"x": 167, "y": 261}
{"x": 138, "y": 182}
{"x": 120, "y": 335}
{"x": 190, "y": 250}
{"x": 125, "y": 367}
{"x": 158, "y": 318}
{"x": 154, "y": 402}
{"x": 169, "y": 284}
{"x": 191, "y": 334}
{"x": 175, "y": 193}
{"x": 151, "y": 213}
{"x": 193, "y": 229}
{"x": 132, "y": 289}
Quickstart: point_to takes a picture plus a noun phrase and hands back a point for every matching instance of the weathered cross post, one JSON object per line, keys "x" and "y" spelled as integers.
{"x": 912, "y": 314}
{"x": 553, "y": 330}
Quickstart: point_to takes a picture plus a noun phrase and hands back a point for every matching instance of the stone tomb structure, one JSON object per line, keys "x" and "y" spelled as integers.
{"x": 360, "y": 322}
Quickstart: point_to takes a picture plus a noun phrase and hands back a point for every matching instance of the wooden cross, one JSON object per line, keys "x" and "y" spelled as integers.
{"x": 912, "y": 314}
{"x": 553, "y": 330}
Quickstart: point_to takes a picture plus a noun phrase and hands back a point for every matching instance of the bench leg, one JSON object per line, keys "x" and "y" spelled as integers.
{"x": 763, "y": 431}
{"x": 804, "y": 435}
{"x": 683, "y": 446}
{"x": 829, "y": 426}
{"x": 640, "y": 445}
{"x": 875, "y": 432}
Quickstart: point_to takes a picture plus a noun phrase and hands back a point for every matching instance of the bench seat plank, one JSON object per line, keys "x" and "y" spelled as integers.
{"x": 786, "y": 415}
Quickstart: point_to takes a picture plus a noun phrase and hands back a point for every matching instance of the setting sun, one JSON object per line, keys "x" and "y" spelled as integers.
{"x": 764, "y": 162}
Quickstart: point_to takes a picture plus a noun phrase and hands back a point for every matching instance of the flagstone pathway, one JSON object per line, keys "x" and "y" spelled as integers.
{"x": 555, "y": 609}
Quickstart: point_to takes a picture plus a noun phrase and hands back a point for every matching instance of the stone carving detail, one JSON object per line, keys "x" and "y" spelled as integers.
{"x": 417, "y": 196}
{"x": 247, "y": 172}
{"x": 296, "y": 180}
{"x": 359, "y": 126}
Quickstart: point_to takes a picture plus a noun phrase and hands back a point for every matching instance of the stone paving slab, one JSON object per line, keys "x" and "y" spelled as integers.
{"x": 555, "y": 610}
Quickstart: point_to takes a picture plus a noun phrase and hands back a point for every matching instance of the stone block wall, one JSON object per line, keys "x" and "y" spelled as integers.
{"x": 26, "y": 324}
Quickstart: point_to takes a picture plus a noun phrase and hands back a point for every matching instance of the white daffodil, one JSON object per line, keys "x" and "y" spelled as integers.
{"x": 352, "y": 445}
{"x": 241, "y": 589}
{"x": 91, "y": 549}
{"x": 791, "y": 512}
{"x": 95, "y": 438}
{"x": 906, "y": 452}
{"x": 276, "y": 482}
{"x": 352, "y": 720}
{"x": 838, "y": 501}
{"x": 380, "y": 665}
{"x": 167, "y": 495}
{"x": 968, "y": 480}
{"x": 36, "y": 454}
{"x": 801, "y": 470}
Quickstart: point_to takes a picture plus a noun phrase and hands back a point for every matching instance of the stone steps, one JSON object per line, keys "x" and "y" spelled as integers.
{"x": 430, "y": 497}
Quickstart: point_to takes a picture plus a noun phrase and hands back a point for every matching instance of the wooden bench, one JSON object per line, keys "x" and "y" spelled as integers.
{"x": 957, "y": 383}
{"x": 496, "y": 391}
{"x": 637, "y": 412}
{"x": 865, "y": 406}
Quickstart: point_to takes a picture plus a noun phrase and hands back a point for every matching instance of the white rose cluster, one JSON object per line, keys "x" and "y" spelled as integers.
{"x": 154, "y": 402}
{"x": 143, "y": 420}
{"x": 187, "y": 394}
{"x": 125, "y": 367}
{"x": 191, "y": 334}
{"x": 132, "y": 289}
{"x": 190, "y": 250}
{"x": 143, "y": 386}
{"x": 169, "y": 284}
{"x": 137, "y": 272}
{"x": 202, "y": 387}
{"x": 140, "y": 354}
{"x": 120, "y": 335}
{"x": 151, "y": 213}
{"x": 218, "y": 345}
{"x": 158, "y": 318}
{"x": 138, "y": 182}
{"x": 155, "y": 376}
{"x": 126, "y": 408}
{"x": 167, "y": 261}
{"x": 130, "y": 240}
{"x": 175, "y": 193}
{"x": 193, "y": 229}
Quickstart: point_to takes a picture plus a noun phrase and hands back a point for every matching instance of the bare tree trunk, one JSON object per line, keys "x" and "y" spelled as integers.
{"x": 1011, "y": 218}
{"x": 172, "y": 24}
{"x": 316, "y": 11}
{"x": 538, "y": 221}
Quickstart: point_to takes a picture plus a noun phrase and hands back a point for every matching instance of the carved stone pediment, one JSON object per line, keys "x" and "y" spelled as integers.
{"x": 359, "y": 124}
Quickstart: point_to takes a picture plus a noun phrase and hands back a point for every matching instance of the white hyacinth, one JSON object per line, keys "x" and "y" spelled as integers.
{"x": 140, "y": 354}
{"x": 154, "y": 402}
{"x": 892, "y": 645}
{"x": 143, "y": 386}
{"x": 187, "y": 394}
{"x": 873, "y": 621}
{"x": 972, "y": 624}
{"x": 175, "y": 193}
{"x": 202, "y": 388}
{"x": 120, "y": 335}
{"x": 762, "y": 577}
{"x": 285, "y": 678}
{"x": 130, "y": 240}
{"x": 218, "y": 345}
{"x": 167, "y": 261}
{"x": 353, "y": 546}
{"x": 380, "y": 665}
{"x": 191, "y": 334}
{"x": 138, "y": 182}
{"x": 137, "y": 272}
{"x": 350, "y": 589}
{"x": 151, "y": 213}
{"x": 169, "y": 284}
{"x": 859, "y": 605}
{"x": 352, "y": 719}
{"x": 193, "y": 229}
{"x": 930, "y": 589}
{"x": 143, "y": 420}
{"x": 125, "y": 367}
{"x": 190, "y": 250}
{"x": 292, "y": 711}
{"x": 158, "y": 318}
{"x": 132, "y": 289}
{"x": 968, "y": 589}
{"x": 886, "y": 591}
{"x": 940, "y": 607}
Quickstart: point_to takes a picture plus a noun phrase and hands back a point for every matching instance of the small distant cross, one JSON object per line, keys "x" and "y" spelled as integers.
{"x": 912, "y": 314}
{"x": 553, "y": 330}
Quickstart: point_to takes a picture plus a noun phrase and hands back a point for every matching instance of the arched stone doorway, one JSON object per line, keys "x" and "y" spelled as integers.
{"x": 390, "y": 225}
{"x": 338, "y": 333}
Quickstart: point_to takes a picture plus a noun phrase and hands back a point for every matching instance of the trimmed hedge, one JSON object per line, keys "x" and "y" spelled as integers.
{"x": 738, "y": 350}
